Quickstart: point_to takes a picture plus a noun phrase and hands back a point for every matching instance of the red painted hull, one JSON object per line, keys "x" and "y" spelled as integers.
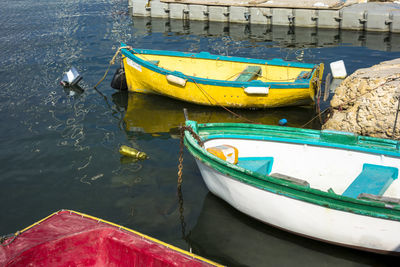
{"x": 67, "y": 238}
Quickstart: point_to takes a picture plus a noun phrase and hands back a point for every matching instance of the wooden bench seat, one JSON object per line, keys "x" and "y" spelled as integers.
{"x": 291, "y": 179}
{"x": 249, "y": 73}
{"x": 373, "y": 179}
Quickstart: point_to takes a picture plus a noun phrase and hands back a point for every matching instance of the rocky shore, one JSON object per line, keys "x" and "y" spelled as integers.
{"x": 366, "y": 102}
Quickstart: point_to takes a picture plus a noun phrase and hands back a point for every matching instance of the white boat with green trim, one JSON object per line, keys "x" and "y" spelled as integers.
{"x": 332, "y": 186}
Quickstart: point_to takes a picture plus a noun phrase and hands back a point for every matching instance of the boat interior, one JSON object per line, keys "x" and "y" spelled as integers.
{"x": 229, "y": 70}
{"x": 104, "y": 246}
{"x": 344, "y": 172}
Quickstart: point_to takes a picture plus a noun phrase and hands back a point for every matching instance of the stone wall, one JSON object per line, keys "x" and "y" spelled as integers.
{"x": 366, "y": 102}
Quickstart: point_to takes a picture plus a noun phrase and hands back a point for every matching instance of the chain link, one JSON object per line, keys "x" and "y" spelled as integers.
{"x": 180, "y": 165}
{"x": 181, "y": 146}
{"x": 180, "y": 180}
{"x": 181, "y": 210}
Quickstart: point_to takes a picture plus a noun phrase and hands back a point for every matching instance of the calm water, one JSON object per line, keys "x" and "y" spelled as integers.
{"x": 60, "y": 150}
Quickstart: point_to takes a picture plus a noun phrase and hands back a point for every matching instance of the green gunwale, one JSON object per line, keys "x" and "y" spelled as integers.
{"x": 302, "y": 136}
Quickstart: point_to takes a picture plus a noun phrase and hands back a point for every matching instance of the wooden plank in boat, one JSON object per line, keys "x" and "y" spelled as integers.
{"x": 391, "y": 200}
{"x": 290, "y": 179}
{"x": 249, "y": 73}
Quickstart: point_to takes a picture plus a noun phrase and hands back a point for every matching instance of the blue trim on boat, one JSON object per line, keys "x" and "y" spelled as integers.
{"x": 261, "y": 165}
{"x": 297, "y": 84}
{"x": 305, "y": 142}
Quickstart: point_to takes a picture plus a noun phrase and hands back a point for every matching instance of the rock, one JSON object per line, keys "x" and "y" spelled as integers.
{"x": 366, "y": 102}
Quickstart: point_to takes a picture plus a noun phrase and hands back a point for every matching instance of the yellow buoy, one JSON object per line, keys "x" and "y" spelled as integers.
{"x": 131, "y": 152}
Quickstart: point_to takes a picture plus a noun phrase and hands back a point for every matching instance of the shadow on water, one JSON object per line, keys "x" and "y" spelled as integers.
{"x": 232, "y": 238}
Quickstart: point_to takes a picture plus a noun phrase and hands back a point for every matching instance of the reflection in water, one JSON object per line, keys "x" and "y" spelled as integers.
{"x": 284, "y": 36}
{"x": 74, "y": 90}
{"x": 155, "y": 115}
{"x": 232, "y": 238}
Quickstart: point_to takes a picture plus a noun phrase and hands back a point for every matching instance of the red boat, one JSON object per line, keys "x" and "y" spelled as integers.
{"x": 69, "y": 238}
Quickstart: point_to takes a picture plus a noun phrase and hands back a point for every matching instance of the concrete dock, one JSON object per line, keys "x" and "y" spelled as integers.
{"x": 333, "y": 14}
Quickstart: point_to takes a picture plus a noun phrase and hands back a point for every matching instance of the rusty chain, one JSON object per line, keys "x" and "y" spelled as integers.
{"x": 182, "y": 135}
{"x": 180, "y": 165}
{"x": 180, "y": 168}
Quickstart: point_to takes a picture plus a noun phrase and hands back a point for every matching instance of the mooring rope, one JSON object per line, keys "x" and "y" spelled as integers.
{"x": 112, "y": 62}
{"x": 217, "y": 103}
{"x": 208, "y": 96}
{"x": 318, "y": 95}
{"x": 5, "y": 238}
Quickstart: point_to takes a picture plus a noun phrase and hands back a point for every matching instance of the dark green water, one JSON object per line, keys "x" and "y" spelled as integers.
{"x": 60, "y": 150}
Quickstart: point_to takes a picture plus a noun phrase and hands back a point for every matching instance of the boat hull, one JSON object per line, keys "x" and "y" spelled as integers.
{"x": 69, "y": 238}
{"x": 318, "y": 184}
{"x": 144, "y": 77}
{"x": 303, "y": 218}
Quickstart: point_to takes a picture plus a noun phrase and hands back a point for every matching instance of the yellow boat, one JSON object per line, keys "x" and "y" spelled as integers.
{"x": 206, "y": 79}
